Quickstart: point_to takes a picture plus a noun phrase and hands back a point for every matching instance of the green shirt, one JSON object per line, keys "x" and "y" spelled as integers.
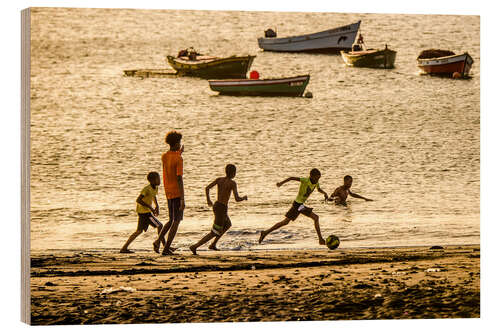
{"x": 305, "y": 189}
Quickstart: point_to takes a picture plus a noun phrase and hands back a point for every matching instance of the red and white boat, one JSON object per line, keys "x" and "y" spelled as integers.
{"x": 446, "y": 65}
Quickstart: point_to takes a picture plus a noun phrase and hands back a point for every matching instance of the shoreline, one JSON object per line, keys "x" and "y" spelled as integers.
{"x": 91, "y": 287}
{"x": 204, "y": 249}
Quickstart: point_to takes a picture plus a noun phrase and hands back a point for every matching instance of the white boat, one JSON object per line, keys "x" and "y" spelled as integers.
{"x": 328, "y": 41}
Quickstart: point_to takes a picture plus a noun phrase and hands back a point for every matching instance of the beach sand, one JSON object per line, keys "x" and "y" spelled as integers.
{"x": 93, "y": 287}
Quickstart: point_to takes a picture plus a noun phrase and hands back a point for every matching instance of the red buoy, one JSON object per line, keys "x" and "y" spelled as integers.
{"x": 254, "y": 75}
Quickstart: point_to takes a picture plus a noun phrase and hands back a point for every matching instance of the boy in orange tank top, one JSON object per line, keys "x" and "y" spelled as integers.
{"x": 172, "y": 163}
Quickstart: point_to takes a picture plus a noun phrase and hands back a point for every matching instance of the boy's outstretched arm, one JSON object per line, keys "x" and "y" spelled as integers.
{"x": 333, "y": 195}
{"x": 141, "y": 202}
{"x": 354, "y": 195}
{"x": 287, "y": 180}
{"x": 323, "y": 192}
{"x": 236, "y": 195}
{"x": 207, "y": 191}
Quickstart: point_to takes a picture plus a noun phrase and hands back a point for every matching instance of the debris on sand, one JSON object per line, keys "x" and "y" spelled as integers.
{"x": 117, "y": 290}
{"x": 430, "y": 270}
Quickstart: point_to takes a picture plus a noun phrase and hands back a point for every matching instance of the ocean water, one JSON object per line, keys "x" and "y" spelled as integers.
{"x": 411, "y": 142}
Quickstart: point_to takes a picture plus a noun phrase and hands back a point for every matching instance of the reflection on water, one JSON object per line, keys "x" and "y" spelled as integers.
{"x": 411, "y": 142}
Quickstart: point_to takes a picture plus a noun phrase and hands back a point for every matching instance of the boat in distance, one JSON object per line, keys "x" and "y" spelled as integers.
{"x": 445, "y": 63}
{"x": 371, "y": 58}
{"x": 328, "y": 41}
{"x": 289, "y": 86}
{"x": 209, "y": 67}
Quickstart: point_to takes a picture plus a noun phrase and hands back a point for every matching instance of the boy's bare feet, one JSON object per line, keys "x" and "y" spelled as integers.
{"x": 261, "y": 238}
{"x": 126, "y": 251}
{"x": 156, "y": 246}
{"x": 322, "y": 241}
{"x": 193, "y": 249}
{"x": 212, "y": 247}
{"x": 166, "y": 253}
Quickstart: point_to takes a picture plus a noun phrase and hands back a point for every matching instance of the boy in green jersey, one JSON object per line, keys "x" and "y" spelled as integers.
{"x": 307, "y": 186}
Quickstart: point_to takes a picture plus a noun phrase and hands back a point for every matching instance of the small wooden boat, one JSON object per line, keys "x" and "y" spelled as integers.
{"x": 442, "y": 62}
{"x": 290, "y": 86}
{"x": 328, "y": 41}
{"x": 153, "y": 73}
{"x": 208, "y": 67}
{"x": 370, "y": 58}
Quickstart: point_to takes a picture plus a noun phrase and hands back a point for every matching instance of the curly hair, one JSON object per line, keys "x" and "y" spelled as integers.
{"x": 173, "y": 138}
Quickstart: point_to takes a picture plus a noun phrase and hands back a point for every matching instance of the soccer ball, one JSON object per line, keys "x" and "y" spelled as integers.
{"x": 332, "y": 242}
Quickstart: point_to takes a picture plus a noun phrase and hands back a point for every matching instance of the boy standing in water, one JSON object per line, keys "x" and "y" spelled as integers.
{"x": 307, "y": 186}
{"x": 225, "y": 185}
{"x": 174, "y": 190}
{"x": 340, "y": 194}
{"x": 145, "y": 210}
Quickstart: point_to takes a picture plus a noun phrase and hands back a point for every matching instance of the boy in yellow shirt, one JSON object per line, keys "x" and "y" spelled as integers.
{"x": 145, "y": 210}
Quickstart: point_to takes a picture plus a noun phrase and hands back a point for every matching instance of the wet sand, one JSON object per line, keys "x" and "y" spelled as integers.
{"x": 97, "y": 287}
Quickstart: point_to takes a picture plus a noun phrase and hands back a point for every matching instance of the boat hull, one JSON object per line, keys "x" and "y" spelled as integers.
{"x": 219, "y": 68}
{"x": 372, "y": 59}
{"x": 293, "y": 86}
{"x": 328, "y": 41}
{"x": 461, "y": 63}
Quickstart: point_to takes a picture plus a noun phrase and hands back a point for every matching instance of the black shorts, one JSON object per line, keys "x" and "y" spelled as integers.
{"x": 174, "y": 210}
{"x": 146, "y": 220}
{"x": 221, "y": 220}
{"x": 297, "y": 209}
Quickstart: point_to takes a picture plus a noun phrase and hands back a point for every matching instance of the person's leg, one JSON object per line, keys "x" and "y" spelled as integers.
{"x": 291, "y": 215}
{"x": 278, "y": 225}
{"x": 155, "y": 223}
{"x": 125, "y": 249}
{"x": 159, "y": 229}
{"x": 202, "y": 241}
{"x": 165, "y": 229}
{"x": 171, "y": 234}
{"x": 161, "y": 236}
{"x": 227, "y": 225}
{"x": 315, "y": 218}
{"x": 177, "y": 215}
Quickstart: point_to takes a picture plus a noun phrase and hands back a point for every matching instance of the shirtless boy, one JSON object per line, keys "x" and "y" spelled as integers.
{"x": 340, "y": 194}
{"x": 225, "y": 185}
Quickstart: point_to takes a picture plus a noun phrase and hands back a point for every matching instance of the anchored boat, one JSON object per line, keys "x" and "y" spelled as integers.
{"x": 290, "y": 86}
{"x": 443, "y": 62}
{"x": 209, "y": 67}
{"x": 370, "y": 58}
{"x": 328, "y": 41}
